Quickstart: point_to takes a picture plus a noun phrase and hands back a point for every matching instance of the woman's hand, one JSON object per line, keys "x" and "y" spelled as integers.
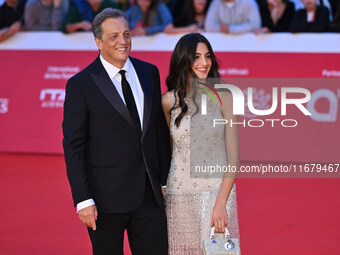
{"x": 138, "y": 32}
{"x": 261, "y": 30}
{"x": 219, "y": 216}
{"x": 193, "y": 28}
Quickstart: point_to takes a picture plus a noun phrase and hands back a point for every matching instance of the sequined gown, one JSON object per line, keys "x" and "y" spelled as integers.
{"x": 190, "y": 197}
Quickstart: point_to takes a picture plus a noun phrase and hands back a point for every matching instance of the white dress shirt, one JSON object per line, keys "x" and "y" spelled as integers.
{"x": 137, "y": 91}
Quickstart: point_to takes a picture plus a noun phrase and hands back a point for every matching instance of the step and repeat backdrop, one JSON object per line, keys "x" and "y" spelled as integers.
{"x": 35, "y": 67}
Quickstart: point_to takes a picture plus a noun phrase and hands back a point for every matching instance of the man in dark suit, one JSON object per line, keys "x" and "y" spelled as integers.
{"x": 116, "y": 144}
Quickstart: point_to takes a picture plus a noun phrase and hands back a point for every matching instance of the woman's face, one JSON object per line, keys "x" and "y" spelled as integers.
{"x": 202, "y": 63}
{"x": 144, "y": 4}
{"x": 12, "y": 3}
{"x": 273, "y": 2}
{"x": 199, "y": 5}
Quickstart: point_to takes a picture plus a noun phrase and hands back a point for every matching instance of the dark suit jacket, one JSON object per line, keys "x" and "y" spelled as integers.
{"x": 299, "y": 23}
{"x": 106, "y": 156}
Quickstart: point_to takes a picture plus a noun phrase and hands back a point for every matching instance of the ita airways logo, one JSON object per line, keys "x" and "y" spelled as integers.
{"x": 52, "y": 98}
{"x": 204, "y": 97}
{"x": 4, "y": 105}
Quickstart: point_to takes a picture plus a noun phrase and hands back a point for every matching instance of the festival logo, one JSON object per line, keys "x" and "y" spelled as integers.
{"x": 4, "y": 105}
{"x": 52, "y": 98}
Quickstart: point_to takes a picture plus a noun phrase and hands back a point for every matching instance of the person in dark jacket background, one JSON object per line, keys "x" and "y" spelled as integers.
{"x": 313, "y": 18}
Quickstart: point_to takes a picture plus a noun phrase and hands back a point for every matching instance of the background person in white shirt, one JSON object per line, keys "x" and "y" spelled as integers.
{"x": 233, "y": 16}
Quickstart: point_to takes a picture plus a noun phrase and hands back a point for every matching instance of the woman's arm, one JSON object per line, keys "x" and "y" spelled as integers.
{"x": 219, "y": 218}
{"x": 166, "y": 105}
{"x": 171, "y": 29}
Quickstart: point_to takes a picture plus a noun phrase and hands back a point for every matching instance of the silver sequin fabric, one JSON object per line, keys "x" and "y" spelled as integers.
{"x": 190, "y": 197}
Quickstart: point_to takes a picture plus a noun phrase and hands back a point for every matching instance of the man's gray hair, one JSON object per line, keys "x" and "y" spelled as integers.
{"x": 105, "y": 14}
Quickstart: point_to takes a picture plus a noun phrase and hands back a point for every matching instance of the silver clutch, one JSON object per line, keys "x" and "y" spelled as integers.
{"x": 221, "y": 246}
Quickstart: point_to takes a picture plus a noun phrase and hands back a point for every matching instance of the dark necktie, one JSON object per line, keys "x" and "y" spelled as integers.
{"x": 129, "y": 99}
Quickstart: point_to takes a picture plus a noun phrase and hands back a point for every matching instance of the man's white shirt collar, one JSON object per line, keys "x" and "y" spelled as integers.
{"x": 113, "y": 70}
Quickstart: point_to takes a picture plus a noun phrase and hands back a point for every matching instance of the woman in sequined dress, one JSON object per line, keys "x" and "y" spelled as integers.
{"x": 196, "y": 200}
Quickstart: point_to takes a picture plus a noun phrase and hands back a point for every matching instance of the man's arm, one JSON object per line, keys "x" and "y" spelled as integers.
{"x": 9, "y": 31}
{"x": 163, "y": 140}
{"x": 75, "y": 132}
{"x": 74, "y": 21}
{"x": 75, "y": 125}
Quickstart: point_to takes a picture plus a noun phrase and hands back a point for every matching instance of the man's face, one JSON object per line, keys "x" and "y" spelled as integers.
{"x": 199, "y": 5}
{"x": 144, "y": 4}
{"x": 12, "y": 3}
{"x": 47, "y": 2}
{"x": 93, "y": 2}
{"x": 115, "y": 44}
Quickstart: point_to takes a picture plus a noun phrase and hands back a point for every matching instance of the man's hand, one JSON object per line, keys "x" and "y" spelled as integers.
{"x": 88, "y": 216}
{"x": 224, "y": 28}
{"x": 82, "y": 25}
{"x": 261, "y": 30}
{"x": 4, "y": 31}
{"x": 85, "y": 25}
{"x": 9, "y": 31}
{"x": 15, "y": 27}
{"x": 57, "y": 3}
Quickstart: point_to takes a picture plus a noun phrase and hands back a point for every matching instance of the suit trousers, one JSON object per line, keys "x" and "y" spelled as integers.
{"x": 146, "y": 228}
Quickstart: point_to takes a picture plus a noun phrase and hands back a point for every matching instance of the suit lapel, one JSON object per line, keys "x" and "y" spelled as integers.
{"x": 102, "y": 80}
{"x": 145, "y": 82}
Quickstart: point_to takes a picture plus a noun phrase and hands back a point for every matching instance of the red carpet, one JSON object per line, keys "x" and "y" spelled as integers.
{"x": 277, "y": 216}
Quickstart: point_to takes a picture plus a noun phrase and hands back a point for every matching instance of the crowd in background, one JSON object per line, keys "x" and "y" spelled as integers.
{"x": 147, "y": 17}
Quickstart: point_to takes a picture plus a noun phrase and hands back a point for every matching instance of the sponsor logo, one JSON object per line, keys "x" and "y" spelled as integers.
{"x": 4, "y": 105}
{"x": 234, "y": 71}
{"x": 60, "y": 72}
{"x": 331, "y": 73}
{"x": 52, "y": 98}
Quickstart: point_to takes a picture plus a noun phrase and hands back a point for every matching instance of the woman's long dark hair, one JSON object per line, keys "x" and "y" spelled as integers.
{"x": 182, "y": 59}
{"x": 184, "y": 12}
{"x": 150, "y": 13}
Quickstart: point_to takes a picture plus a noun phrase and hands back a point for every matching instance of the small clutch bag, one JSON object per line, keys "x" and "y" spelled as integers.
{"x": 221, "y": 246}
